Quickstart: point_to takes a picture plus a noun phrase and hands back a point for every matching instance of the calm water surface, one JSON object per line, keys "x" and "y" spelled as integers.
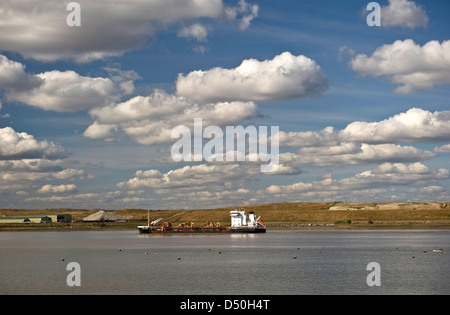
{"x": 328, "y": 262}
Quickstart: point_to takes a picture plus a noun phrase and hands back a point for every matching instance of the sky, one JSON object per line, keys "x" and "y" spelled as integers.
{"x": 90, "y": 95}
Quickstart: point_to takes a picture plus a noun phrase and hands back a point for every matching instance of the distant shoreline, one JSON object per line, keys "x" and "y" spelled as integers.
{"x": 279, "y": 216}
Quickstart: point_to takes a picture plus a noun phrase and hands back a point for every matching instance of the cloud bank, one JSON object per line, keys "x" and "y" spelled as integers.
{"x": 37, "y": 29}
{"x": 150, "y": 120}
{"x": 414, "y": 126}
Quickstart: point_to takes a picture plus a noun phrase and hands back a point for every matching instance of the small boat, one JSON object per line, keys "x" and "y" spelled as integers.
{"x": 439, "y": 251}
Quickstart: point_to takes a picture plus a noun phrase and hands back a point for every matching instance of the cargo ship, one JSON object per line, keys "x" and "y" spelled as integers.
{"x": 240, "y": 223}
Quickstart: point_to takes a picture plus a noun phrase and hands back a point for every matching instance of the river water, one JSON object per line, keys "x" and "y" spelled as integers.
{"x": 124, "y": 262}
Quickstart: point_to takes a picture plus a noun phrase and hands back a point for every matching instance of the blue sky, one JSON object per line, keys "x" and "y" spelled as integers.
{"x": 66, "y": 140}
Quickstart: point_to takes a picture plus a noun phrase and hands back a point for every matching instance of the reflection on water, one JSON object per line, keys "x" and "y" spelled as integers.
{"x": 278, "y": 262}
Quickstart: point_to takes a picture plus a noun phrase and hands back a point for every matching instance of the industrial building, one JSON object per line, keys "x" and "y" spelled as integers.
{"x": 36, "y": 218}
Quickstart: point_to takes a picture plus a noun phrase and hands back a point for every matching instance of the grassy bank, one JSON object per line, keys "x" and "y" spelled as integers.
{"x": 277, "y": 216}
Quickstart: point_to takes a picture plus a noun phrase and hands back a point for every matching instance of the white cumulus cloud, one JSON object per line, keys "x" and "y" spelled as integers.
{"x": 57, "y": 189}
{"x": 21, "y": 145}
{"x": 416, "y": 68}
{"x": 37, "y": 29}
{"x": 404, "y": 13}
{"x": 189, "y": 176}
{"x": 149, "y": 120}
{"x": 355, "y": 154}
{"x": 416, "y": 125}
{"x": 65, "y": 91}
{"x": 384, "y": 175}
{"x": 284, "y": 77}
{"x": 443, "y": 149}
{"x": 13, "y": 75}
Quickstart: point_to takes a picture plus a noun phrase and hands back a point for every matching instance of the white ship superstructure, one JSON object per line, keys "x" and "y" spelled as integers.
{"x": 241, "y": 222}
